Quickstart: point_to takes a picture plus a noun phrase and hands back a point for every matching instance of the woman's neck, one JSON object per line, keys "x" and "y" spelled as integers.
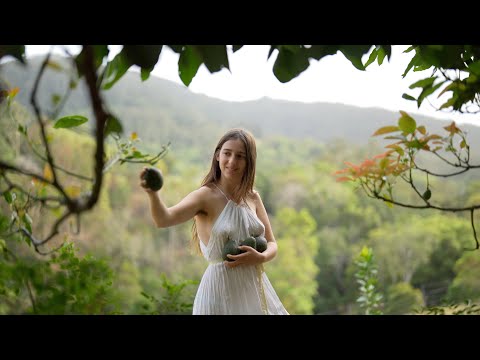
{"x": 229, "y": 188}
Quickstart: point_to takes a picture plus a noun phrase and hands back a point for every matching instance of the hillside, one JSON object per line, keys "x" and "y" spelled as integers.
{"x": 160, "y": 110}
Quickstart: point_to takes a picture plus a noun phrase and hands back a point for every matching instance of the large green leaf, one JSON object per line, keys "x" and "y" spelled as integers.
{"x": 354, "y": 53}
{"x": 188, "y": 64}
{"x": 289, "y": 64}
{"x": 145, "y": 56}
{"x": 115, "y": 70}
{"x": 214, "y": 56}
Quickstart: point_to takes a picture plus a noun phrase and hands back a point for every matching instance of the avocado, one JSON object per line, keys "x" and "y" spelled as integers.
{"x": 261, "y": 244}
{"x": 249, "y": 241}
{"x": 153, "y": 178}
{"x": 231, "y": 248}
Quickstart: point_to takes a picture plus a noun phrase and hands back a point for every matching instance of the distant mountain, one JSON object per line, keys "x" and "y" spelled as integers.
{"x": 160, "y": 110}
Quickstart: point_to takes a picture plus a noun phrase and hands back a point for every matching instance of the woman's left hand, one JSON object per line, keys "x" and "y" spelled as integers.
{"x": 250, "y": 256}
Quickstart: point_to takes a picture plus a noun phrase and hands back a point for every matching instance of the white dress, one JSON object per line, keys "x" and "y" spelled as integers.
{"x": 243, "y": 290}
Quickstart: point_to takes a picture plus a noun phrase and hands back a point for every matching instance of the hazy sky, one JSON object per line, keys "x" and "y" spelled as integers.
{"x": 332, "y": 79}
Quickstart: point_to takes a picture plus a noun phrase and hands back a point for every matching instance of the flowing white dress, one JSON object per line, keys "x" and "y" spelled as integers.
{"x": 243, "y": 290}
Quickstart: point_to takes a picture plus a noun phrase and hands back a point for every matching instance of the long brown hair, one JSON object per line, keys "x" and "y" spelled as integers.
{"x": 246, "y": 185}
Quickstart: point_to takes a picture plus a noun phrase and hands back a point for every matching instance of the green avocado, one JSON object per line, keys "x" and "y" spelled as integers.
{"x": 153, "y": 178}
{"x": 249, "y": 241}
{"x": 261, "y": 244}
{"x": 231, "y": 248}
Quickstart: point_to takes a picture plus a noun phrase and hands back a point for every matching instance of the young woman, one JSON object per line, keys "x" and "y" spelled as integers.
{"x": 226, "y": 207}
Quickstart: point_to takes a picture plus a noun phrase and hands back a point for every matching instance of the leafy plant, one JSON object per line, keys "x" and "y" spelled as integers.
{"x": 455, "y": 70}
{"x": 172, "y": 301}
{"x": 366, "y": 275}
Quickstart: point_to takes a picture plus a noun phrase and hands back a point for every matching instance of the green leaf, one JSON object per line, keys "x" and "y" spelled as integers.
{"x": 145, "y": 56}
{"x": 354, "y": 53}
{"x": 387, "y": 49}
{"x": 188, "y": 65}
{"x": 449, "y": 102}
{"x": 372, "y": 57}
{"x": 270, "y": 52}
{"x": 415, "y": 60}
{"x": 414, "y": 144}
{"x": 70, "y": 121}
{"x": 386, "y": 130}
{"x": 17, "y": 51}
{"x": 406, "y": 123}
{"x": 115, "y": 69}
{"x": 409, "y": 49}
{"x": 381, "y": 56}
{"x": 426, "y": 92}
{"x": 237, "y": 47}
{"x": 474, "y": 68}
{"x": 319, "y": 51}
{"x": 214, "y": 56}
{"x": 113, "y": 125}
{"x": 422, "y": 67}
{"x": 289, "y": 65}
{"x": 427, "y": 82}
{"x": 388, "y": 203}
{"x": 8, "y": 197}
{"x": 408, "y": 97}
{"x": 145, "y": 73}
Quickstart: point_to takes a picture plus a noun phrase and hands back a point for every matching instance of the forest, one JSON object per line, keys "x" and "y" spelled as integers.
{"x": 329, "y": 233}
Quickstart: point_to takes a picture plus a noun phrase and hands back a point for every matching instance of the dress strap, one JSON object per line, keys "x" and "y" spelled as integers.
{"x": 221, "y": 191}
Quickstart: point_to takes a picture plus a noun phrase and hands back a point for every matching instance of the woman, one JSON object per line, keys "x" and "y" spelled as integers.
{"x": 226, "y": 208}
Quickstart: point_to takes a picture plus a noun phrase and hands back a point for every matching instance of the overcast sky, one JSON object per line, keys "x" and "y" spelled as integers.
{"x": 332, "y": 79}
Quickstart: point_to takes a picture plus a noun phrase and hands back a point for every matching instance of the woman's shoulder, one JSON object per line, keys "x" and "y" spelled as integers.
{"x": 208, "y": 192}
{"x": 204, "y": 190}
{"x": 255, "y": 195}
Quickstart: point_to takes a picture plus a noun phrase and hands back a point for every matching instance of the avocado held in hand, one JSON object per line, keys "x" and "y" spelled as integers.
{"x": 153, "y": 178}
{"x": 249, "y": 241}
{"x": 261, "y": 244}
{"x": 231, "y": 248}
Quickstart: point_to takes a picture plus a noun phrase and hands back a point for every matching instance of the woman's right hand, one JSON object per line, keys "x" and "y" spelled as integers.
{"x": 143, "y": 183}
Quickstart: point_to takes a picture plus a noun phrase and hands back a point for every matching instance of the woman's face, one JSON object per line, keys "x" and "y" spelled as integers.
{"x": 232, "y": 159}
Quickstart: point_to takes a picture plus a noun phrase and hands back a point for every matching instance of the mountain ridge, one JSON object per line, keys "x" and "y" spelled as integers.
{"x": 162, "y": 110}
